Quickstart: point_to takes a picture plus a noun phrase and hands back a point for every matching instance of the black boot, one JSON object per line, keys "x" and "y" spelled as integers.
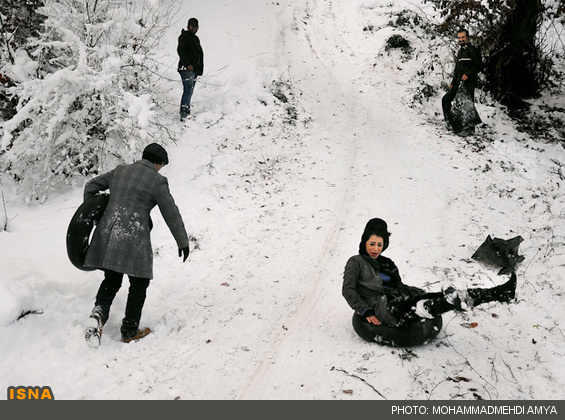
{"x": 503, "y": 293}
{"x": 134, "y": 306}
{"x": 129, "y": 328}
{"x": 425, "y": 305}
{"x": 440, "y": 303}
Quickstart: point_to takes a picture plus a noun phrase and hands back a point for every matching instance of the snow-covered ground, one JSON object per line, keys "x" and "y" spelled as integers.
{"x": 276, "y": 195}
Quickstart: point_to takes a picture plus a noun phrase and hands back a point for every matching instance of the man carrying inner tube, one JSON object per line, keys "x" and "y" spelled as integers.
{"x": 121, "y": 243}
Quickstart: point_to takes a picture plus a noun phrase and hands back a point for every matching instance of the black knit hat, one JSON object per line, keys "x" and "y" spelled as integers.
{"x": 193, "y": 22}
{"x": 155, "y": 153}
{"x": 374, "y": 227}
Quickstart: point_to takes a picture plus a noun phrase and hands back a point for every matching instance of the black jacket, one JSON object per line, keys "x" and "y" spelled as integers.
{"x": 363, "y": 287}
{"x": 468, "y": 62}
{"x": 190, "y": 52}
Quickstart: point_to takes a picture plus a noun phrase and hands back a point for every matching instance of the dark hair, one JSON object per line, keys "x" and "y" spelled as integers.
{"x": 374, "y": 227}
{"x": 193, "y": 22}
{"x": 464, "y": 30}
{"x": 155, "y": 153}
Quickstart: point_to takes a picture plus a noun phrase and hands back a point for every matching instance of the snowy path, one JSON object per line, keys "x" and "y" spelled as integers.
{"x": 275, "y": 195}
{"x": 373, "y": 163}
{"x": 333, "y": 127}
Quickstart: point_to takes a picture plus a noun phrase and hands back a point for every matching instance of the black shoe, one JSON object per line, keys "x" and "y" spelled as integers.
{"x": 503, "y": 293}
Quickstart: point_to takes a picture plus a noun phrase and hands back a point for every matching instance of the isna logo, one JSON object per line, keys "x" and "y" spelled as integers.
{"x": 30, "y": 393}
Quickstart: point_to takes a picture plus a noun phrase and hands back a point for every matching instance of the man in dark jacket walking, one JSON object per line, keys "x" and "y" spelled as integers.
{"x": 121, "y": 243}
{"x": 467, "y": 67}
{"x": 191, "y": 64}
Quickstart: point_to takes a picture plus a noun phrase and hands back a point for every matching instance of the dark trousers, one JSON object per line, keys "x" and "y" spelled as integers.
{"x": 404, "y": 308}
{"x": 450, "y": 96}
{"x": 134, "y": 306}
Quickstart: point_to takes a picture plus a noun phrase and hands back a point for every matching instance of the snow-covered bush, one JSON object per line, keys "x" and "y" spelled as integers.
{"x": 84, "y": 90}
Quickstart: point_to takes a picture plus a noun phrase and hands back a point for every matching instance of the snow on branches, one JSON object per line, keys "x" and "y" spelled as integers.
{"x": 84, "y": 89}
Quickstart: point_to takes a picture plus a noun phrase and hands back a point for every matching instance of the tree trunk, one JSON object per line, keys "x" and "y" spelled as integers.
{"x": 511, "y": 68}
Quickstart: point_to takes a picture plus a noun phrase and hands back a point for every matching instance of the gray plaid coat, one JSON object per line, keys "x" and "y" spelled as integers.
{"x": 121, "y": 240}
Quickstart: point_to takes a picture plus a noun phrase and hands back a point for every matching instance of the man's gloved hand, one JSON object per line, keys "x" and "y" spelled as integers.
{"x": 184, "y": 253}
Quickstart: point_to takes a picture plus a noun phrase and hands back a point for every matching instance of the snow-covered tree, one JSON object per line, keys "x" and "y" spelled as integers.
{"x": 84, "y": 89}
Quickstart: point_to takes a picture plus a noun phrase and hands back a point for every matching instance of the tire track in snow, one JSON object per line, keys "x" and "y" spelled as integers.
{"x": 310, "y": 19}
{"x": 383, "y": 170}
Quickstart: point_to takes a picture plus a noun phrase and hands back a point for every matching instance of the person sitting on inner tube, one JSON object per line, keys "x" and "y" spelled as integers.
{"x": 373, "y": 288}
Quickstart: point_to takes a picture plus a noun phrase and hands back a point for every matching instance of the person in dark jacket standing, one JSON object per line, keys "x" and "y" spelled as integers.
{"x": 372, "y": 286}
{"x": 191, "y": 64}
{"x": 467, "y": 67}
{"x": 121, "y": 243}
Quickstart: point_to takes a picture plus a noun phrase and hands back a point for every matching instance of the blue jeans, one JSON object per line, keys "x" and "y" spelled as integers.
{"x": 188, "y": 81}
